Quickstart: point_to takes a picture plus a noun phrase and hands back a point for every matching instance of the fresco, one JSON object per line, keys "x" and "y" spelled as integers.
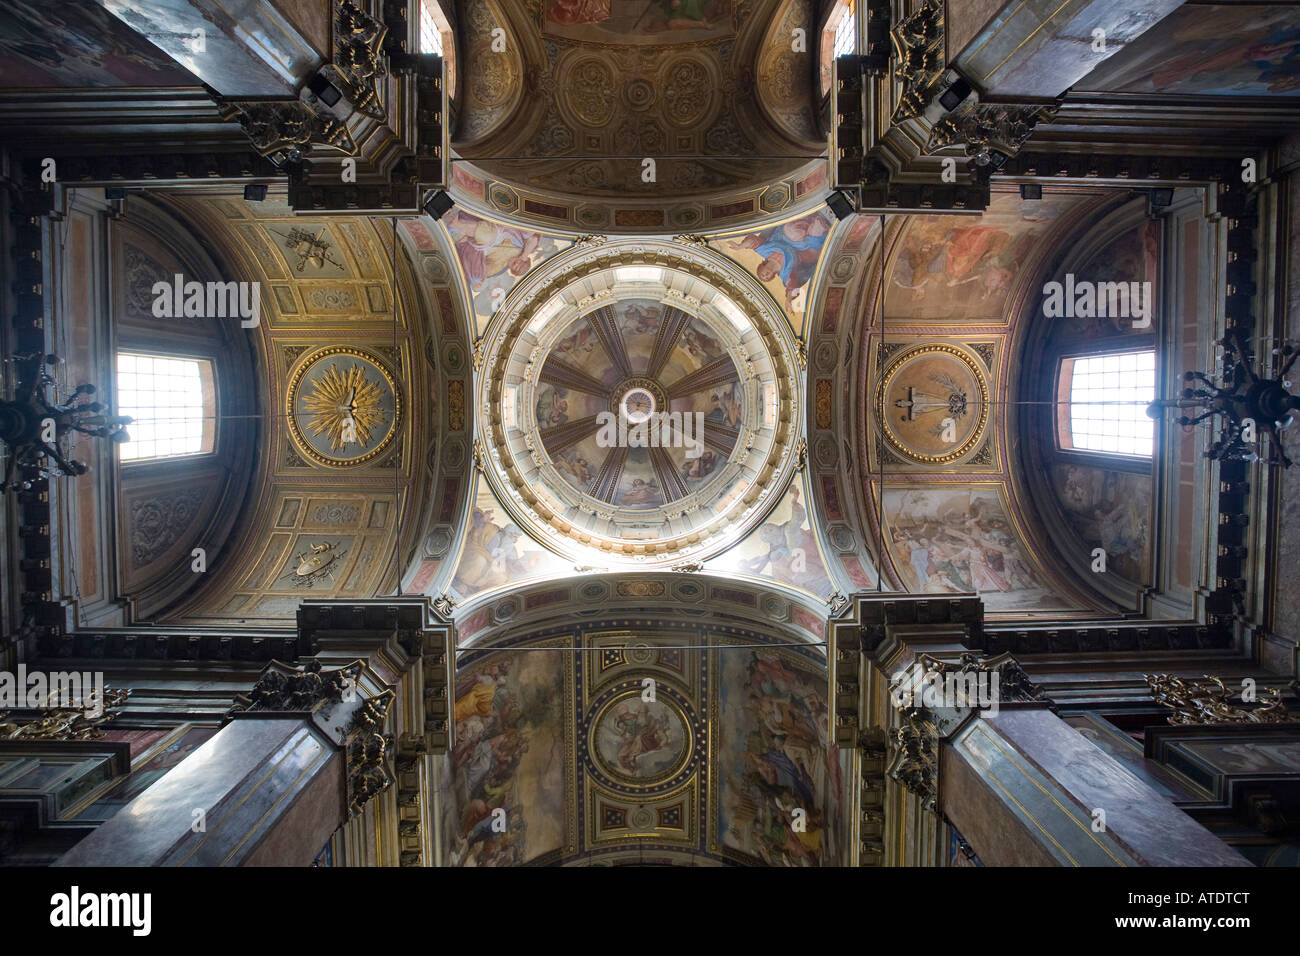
{"x": 1210, "y": 49}
{"x": 494, "y": 257}
{"x": 497, "y": 551}
{"x": 946, "y": 540}
{"x": 1109, "y": 510}
{"x": 509, "y": 755}
{"x": 784, "y": 258}
{"x": 638, "y": 488}
{"x": 697, "y": 346}
{"x": 773, "y": 759}
{"x": 77, "y": 43}
{"x": 783, "y": 548}
{"x": 639, "y": 21}
{"x": 1281, "y": 758}
{"x": 959, "y": 265}
{"x": 641, "y": 740}
{"x": 1132, "y": 257}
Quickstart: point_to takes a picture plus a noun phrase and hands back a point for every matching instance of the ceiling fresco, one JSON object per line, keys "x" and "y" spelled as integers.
{"x": 351, "y": 468}
{"x": 669, "y": 731}
{"x": 639, "y": 397}
{"x": 709, "y": 92}
{"x": 933, "y": 436}
{"x": 1230, "y": 49}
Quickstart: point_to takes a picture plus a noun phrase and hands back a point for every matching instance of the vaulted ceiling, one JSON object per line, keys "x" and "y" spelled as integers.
{"x": 564, "y": 104}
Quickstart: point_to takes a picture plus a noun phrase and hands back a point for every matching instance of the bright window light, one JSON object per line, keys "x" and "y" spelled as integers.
{"x": 638, "y": 274}
{"x": 846, "y": 32}
{"x": 1108, "y": 397}
{"x": 546, "y": 313}
{"x": 732, "y": 312}
{"x": 170, "y": 403}
{"x": 430, "y": 35}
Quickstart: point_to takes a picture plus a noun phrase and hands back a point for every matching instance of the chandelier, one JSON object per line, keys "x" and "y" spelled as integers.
{"x": 1247, "y": 403}
{"x": 33, "y": 426}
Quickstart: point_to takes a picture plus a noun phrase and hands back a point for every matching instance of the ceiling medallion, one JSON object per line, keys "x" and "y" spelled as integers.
{"x": 343, "y": 406}
{"x": 640, "y": 399}
{"x": 641, "y": 743}
{"x": 933, "y": 403}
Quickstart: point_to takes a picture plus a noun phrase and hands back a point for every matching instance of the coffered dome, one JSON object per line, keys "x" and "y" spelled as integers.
{"x": 639, "y": 401}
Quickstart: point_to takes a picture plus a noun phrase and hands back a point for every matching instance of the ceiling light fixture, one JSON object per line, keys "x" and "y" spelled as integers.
{"x": 1246, "y": 402}
{"x": 33, "y": 426}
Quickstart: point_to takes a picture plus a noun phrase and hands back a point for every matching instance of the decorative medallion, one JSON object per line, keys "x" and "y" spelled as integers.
{"x": 933, "y": 403}
{"x": 640, "y": 742}
{"x": 317, "y": 565}
{"x": 343, "y": 406}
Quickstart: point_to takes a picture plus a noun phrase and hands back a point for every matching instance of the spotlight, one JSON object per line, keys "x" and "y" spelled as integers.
{"x": 840, "y": 204}
{"x": 1162, "y": 197}
{"x": 114, "y": 192}
{"x": 1031, "y": 190}
{"x": 255, "y": 192}
{"x": 439, "y": 204}
{"x": 325, "y": 91}
{"x": 952, "y": 97}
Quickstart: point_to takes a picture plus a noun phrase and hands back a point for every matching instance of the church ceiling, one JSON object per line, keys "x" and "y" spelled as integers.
{"x": 354, "y": 429}
{"x": 1227, "y": 49}
{"x": 640, "y": 117}
{"x": 639, "y": 401}
{"x": 946, "y": 503}
{"x": 676, "y": 729}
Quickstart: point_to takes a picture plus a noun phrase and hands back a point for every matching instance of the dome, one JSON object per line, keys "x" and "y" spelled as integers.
{"x": 639, "y": 401}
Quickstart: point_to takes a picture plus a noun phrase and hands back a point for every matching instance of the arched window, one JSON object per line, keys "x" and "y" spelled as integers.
{"x": 172, "y": 402}
{"x": 430, "y": 34}
{"x": 1102, "y": 401}
{"x": 846, "y": 31}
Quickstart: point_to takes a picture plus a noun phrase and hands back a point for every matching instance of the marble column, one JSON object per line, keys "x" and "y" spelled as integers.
{"x": 981, "y": 746}
{"x": 299, "y": 755}
{"x": 971, "y": 741}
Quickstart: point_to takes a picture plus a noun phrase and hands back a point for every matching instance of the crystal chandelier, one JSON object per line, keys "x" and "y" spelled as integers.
{"x": 33, "y": 426}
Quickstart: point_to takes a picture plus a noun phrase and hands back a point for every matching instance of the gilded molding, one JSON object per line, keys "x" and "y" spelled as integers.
{"x": 986, "y": 127}
{"x": 1209, "y": 701}
{"x": 918, "y": 58}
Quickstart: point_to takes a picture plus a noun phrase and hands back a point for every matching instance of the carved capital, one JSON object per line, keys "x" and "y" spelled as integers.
{"x": 283, "y": 688}
{"x": 282, "y": 130}
{"x": 914, "y": 755}
{"x": 367, "y": 752}
{"x": 918, "y": 58}
{"x": 987, "y": 127}
{"x": 358, "y": 68}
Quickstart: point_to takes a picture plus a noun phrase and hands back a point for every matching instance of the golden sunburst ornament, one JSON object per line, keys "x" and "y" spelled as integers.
{"x": 344, "y": 406}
